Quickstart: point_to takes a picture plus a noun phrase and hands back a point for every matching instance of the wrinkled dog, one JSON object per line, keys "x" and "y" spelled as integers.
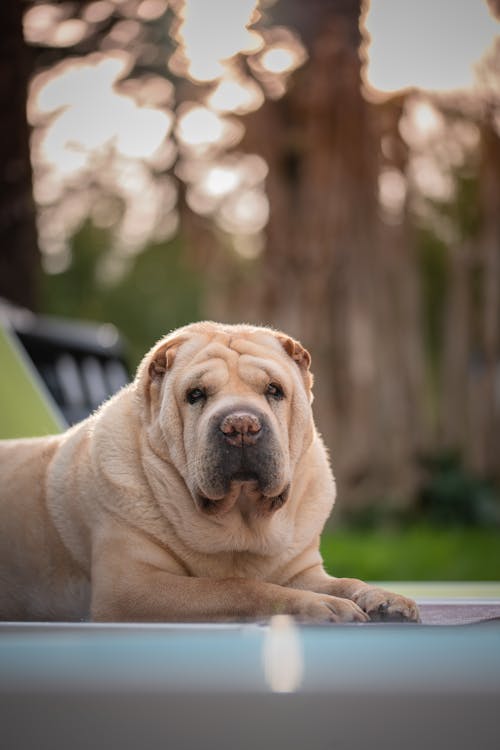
{"x": 198, "y": 492}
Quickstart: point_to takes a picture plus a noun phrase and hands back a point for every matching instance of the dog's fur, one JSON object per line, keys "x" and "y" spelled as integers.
{"x": 198, "y": 492}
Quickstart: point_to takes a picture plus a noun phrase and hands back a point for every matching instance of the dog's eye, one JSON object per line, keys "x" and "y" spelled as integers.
{"x": 275, "y": 391}
{"x": 194, "y": 395}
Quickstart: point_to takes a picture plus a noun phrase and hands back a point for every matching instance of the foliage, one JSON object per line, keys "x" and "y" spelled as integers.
{"x": 157, "y": 292}
{"x": 419, "y": 552}
{"x": 449, "y": 496}
{"x": 452, "y": 496}
{"x": 451, "y": 533}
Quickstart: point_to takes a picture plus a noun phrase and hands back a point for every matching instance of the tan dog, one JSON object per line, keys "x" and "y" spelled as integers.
{"x": 198, "y": 492}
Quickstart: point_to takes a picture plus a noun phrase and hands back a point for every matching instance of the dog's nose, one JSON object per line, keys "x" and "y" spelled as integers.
{"x": 241, "y": 428}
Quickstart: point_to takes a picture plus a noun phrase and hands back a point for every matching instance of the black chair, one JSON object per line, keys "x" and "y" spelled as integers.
{"x": 82, "y": 364}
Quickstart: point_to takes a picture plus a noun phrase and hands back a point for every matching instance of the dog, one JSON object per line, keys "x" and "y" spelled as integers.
{"x": 197, "y": 493}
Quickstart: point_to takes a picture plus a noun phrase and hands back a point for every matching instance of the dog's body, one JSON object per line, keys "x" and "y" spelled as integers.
{"x": 198, "y": 492}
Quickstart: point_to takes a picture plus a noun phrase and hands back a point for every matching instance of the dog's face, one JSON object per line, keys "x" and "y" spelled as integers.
{"x": 231, "y": 406}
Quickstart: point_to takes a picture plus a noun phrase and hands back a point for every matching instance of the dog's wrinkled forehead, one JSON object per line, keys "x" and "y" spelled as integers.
{"x": 230, "y": 347}
{"x": 237, "y": 346}
{"x": 225, "y": 355}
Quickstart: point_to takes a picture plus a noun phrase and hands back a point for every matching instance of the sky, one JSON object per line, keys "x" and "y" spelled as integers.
{"x": 431, "y": 44}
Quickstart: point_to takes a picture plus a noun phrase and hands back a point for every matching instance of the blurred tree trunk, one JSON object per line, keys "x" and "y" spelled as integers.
{"x": 454, "y": 413}
{"x": 333, "y": 274}
{"x": 471, "y": 373}
{"x": 19, "y": 256}
{"x": 490, "y": 251}
{"x": 470, "y": 380}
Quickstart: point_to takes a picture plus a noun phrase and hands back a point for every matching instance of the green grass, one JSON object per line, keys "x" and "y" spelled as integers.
{"x": 26, "y": 408}
{"x": 419, "y": 553}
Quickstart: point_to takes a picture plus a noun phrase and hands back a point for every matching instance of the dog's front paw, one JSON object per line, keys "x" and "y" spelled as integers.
{"x": 384, "y": 605}
{"x": 312, "y": 607}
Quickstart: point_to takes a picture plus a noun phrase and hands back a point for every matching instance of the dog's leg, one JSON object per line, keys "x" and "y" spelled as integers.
{"x": 137, "y": 580}
{"x": 155, "y": 596}
{"x": 378, "y": 603}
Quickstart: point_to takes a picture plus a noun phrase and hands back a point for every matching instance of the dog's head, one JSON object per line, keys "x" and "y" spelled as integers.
{"x": 230, "y": 406}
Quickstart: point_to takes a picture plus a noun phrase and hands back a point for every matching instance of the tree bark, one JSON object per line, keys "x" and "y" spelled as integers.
{"x": 19, "y": 255}
{"x": 333, "y": 274}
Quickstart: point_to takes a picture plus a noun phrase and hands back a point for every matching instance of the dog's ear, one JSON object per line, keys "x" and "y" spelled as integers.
{"x": 295, "y": 350}
{"x": 162, "y": 358}
{"x": 300, "y": 355}
{"x": 152, "y": 370}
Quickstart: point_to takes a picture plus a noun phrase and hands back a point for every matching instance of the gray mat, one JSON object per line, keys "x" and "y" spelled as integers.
{"x": 460, "y": 612}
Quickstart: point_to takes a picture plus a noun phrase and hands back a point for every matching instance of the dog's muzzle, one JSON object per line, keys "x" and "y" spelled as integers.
{"x": 240, "y": 446}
